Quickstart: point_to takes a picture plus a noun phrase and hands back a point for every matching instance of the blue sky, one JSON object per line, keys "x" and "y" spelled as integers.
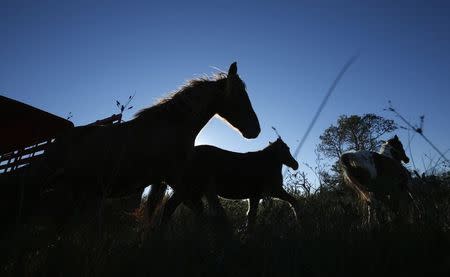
{"x": 80, "y": 56}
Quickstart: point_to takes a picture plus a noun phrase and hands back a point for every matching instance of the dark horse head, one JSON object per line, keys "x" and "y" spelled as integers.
{"x": 283, "y": 153}
{"x": 237, "y": 109}
{"x": 396, "y": 149}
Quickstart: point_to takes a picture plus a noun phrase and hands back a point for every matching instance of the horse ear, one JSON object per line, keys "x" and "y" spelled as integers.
{"x": 233, "y": 69}
{"x": 395, "y": 137}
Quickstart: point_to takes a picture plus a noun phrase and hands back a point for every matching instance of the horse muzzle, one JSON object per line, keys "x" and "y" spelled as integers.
{"x": 251, "y": 133}
{"x": 293, "y": 164}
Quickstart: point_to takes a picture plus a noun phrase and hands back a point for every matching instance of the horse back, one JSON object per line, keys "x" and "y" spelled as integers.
{"x": 233, "y": 175}
{"x": 219, "y": 161}
{"x": 391, "y": 170}
{"x": 374, "y": 172}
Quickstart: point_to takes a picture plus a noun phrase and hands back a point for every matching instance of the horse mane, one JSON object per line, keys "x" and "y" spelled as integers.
{"x": 175, "y": 97}
{"x": 269, "y": 149}
{"x": 272, "y": 144}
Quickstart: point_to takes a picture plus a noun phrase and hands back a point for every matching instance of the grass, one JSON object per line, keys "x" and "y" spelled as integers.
{"x": 332, "y": 238}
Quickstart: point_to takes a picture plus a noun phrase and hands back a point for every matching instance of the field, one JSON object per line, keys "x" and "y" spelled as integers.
{"x": 332, "y": 237}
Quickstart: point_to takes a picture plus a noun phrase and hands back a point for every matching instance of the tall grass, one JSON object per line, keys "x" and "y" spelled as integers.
{"x": 331, "y": 238}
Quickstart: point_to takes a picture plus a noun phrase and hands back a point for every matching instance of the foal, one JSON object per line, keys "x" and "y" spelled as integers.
{"x": 379, "y": 176}
{"x": 216, "y": 172}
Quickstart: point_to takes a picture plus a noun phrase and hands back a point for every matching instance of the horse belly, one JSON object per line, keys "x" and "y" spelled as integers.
{"x": 238, "y": 188}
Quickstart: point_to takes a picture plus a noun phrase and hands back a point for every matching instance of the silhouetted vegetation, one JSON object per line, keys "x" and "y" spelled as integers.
{"x": 332, "y": 238}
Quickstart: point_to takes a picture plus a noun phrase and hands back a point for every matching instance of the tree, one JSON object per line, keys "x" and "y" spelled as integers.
{"x": 354, "y": 132}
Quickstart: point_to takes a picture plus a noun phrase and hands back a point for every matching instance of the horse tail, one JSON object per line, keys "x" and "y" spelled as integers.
{"x": 154, "y": 203}
{"x": 344, "y": 161}
{"x": 350, "y": 180}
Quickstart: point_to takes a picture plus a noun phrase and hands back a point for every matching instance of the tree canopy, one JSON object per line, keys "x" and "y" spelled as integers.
{"x": 354, "y": 132}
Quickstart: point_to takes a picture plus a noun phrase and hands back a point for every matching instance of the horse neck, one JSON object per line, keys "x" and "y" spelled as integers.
{"x": 190, "y": 110}
{"x": 386, "y": 150}
{"x": 204, "y": 104}
{"x": 269, "y": 156}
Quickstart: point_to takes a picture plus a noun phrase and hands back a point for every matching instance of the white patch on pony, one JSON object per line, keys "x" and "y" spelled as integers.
{"x": 363, "y": 159}
{"x": 144, "y": 196}
{"x": 385, "y": 150}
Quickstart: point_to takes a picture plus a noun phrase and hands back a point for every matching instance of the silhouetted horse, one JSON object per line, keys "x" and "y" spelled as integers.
{"x": 216, "y": 172}
{"x": 152, "y": 148}
{"x": 379, "y": 176}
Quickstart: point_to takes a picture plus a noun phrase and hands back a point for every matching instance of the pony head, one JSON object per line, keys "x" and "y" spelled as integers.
{"x": 237, "y": 109}
{"x": 396, "y": 149}
{"x": 283, "y": 153}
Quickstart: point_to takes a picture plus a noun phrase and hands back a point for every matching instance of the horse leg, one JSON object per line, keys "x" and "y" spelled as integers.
{"x": 216, "y": 208}
{"x": 210, "y": 193}
{"x": 374, "y": 214}
{"x": 378, "y": 207}
{"x": 196, "y": 205}
{"x": 220, "y": 224}
{"x": 251, "y": 213}
{"x": 280, "y": 193}
{"x": 171, "y": 206}
{"x": 154, "y": 201}
{"x": 403, "y": 203}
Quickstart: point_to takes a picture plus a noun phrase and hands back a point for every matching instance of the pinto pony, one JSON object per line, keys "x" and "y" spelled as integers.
{"x": 216, "y": 172}
{"x": 152, "y": 148}
{"x": 379, "y": 176}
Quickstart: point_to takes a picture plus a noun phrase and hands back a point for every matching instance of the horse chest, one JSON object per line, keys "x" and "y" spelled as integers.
{"x": 391, "y": 171}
